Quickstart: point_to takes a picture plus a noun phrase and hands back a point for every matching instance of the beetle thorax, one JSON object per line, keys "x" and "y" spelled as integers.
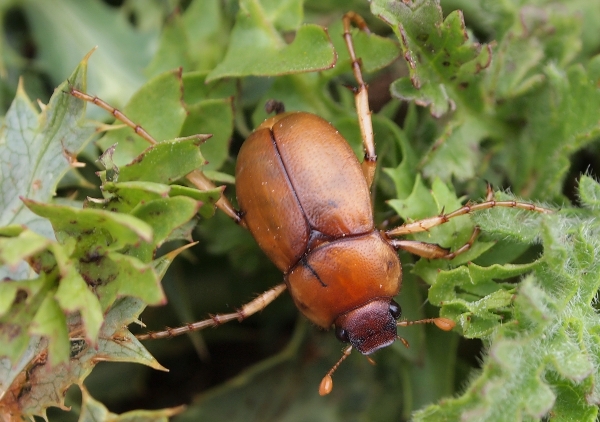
{"x": 369, "y": 327}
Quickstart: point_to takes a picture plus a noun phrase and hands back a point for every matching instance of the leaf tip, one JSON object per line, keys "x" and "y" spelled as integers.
{"x": 89, "y": 54}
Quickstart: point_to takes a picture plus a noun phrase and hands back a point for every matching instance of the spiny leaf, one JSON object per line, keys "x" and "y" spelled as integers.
{"x": 589, "y": 191}
{"x": 37, "y": 149}
{"x": 93, "y": 411}
{"x": 563, "y": 117}
{"x": 46, "y": 383}
{"x": 550, "y": 329}
{"x": 443, "y": 65}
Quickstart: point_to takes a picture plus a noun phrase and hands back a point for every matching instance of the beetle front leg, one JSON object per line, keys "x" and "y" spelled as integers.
{"x": 196, "y": 177}
{"x": 250, "y": 308}
{"x": 361, "y": 98}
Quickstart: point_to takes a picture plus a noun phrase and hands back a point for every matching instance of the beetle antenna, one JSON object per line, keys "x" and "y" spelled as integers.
{"x": 442, "y": 323}
{"x": 327, "y": 383}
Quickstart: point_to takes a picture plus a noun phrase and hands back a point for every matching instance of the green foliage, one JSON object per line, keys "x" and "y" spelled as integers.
{"x": 505, "y": 91}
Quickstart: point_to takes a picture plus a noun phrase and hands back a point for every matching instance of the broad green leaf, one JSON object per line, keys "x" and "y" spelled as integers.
{"x": 165, "y": 216}
{"x": 375, "y": 52}
{"x": 208, "y": 29}
{"x": 473, "y": 297}
{"x": 216, "y": 117}
{"x": 256, "y": 48}
{"x": 165, "y": 162}
{"x": 530, "y": 45}
{"x": 454, "y": 153}
{"x": 125, "y": 196}
{"x": 116, "y": 275}
{"x": 158, "y": 108}
{"x": 196, "y": 89}
{"x": 423, "y": 202}
{"x": 173, "y": 49}
{"x": 65, "y": 31}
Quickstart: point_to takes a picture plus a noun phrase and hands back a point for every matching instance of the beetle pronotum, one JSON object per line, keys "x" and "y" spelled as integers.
{"x": 305, "y": 198}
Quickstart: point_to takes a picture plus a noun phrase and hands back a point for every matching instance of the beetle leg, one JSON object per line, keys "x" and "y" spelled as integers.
{"x": 196, "y": 177}
{"x": 422, "y": 249}
{"x": 361, "y": 98}
{"x": 431, "y": 250}
{"x": 428, "y": 223}
{"x": 250, "y": 308}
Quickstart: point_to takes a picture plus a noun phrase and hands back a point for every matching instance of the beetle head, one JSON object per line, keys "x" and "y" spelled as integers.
{"x": 369, "y": 327}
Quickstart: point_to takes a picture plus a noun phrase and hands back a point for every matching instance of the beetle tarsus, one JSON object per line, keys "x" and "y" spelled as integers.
{"x": 327, "y": 383}
{"x": 274, "y": 106}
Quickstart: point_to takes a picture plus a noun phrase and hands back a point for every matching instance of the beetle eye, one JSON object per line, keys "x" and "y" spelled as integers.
{"x": 395, "y": 309}
{"x": 342, "y": 334}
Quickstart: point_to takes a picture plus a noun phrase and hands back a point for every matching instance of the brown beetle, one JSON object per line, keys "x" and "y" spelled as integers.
{"x": 305, "y": 198}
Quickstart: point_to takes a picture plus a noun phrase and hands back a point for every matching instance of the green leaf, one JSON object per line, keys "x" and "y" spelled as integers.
{"x": 375, "y": 52}
{"x": 37, "y": 149}
{"x": 443, "y": 65}
{"x": 165, "y": 162}
{"x": 15, "y": 249}
{"x": 50, "y": 321}
{"x": 173, "y": 49}
{"x": 562, "y": 119}
{"x": 73, "y": 295}
{"x": 93, "y": 411}
{"x": 165, "y": 216}
{"x": 256, "y": 47}
{"x": 115, "y": 344}
{"x": 16, "y": 320}
{"x": 549, "y": 329}
{"x": 158, "y": 108}
{"x": 100, "y": 227}
{"x": 207, "y": 28}
{"x": 66, "y": 31}
{"x": 211, "y": 116}
{"x": 589, "y": 191}
{"x": 454, "y": 153}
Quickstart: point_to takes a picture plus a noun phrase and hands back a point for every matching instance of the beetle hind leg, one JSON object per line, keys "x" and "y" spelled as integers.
{"x": 361, "y": 98}
{"x": 250, "y": 308}
{"x": 433, "y": 251}
{"x": 428, "y": 223}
